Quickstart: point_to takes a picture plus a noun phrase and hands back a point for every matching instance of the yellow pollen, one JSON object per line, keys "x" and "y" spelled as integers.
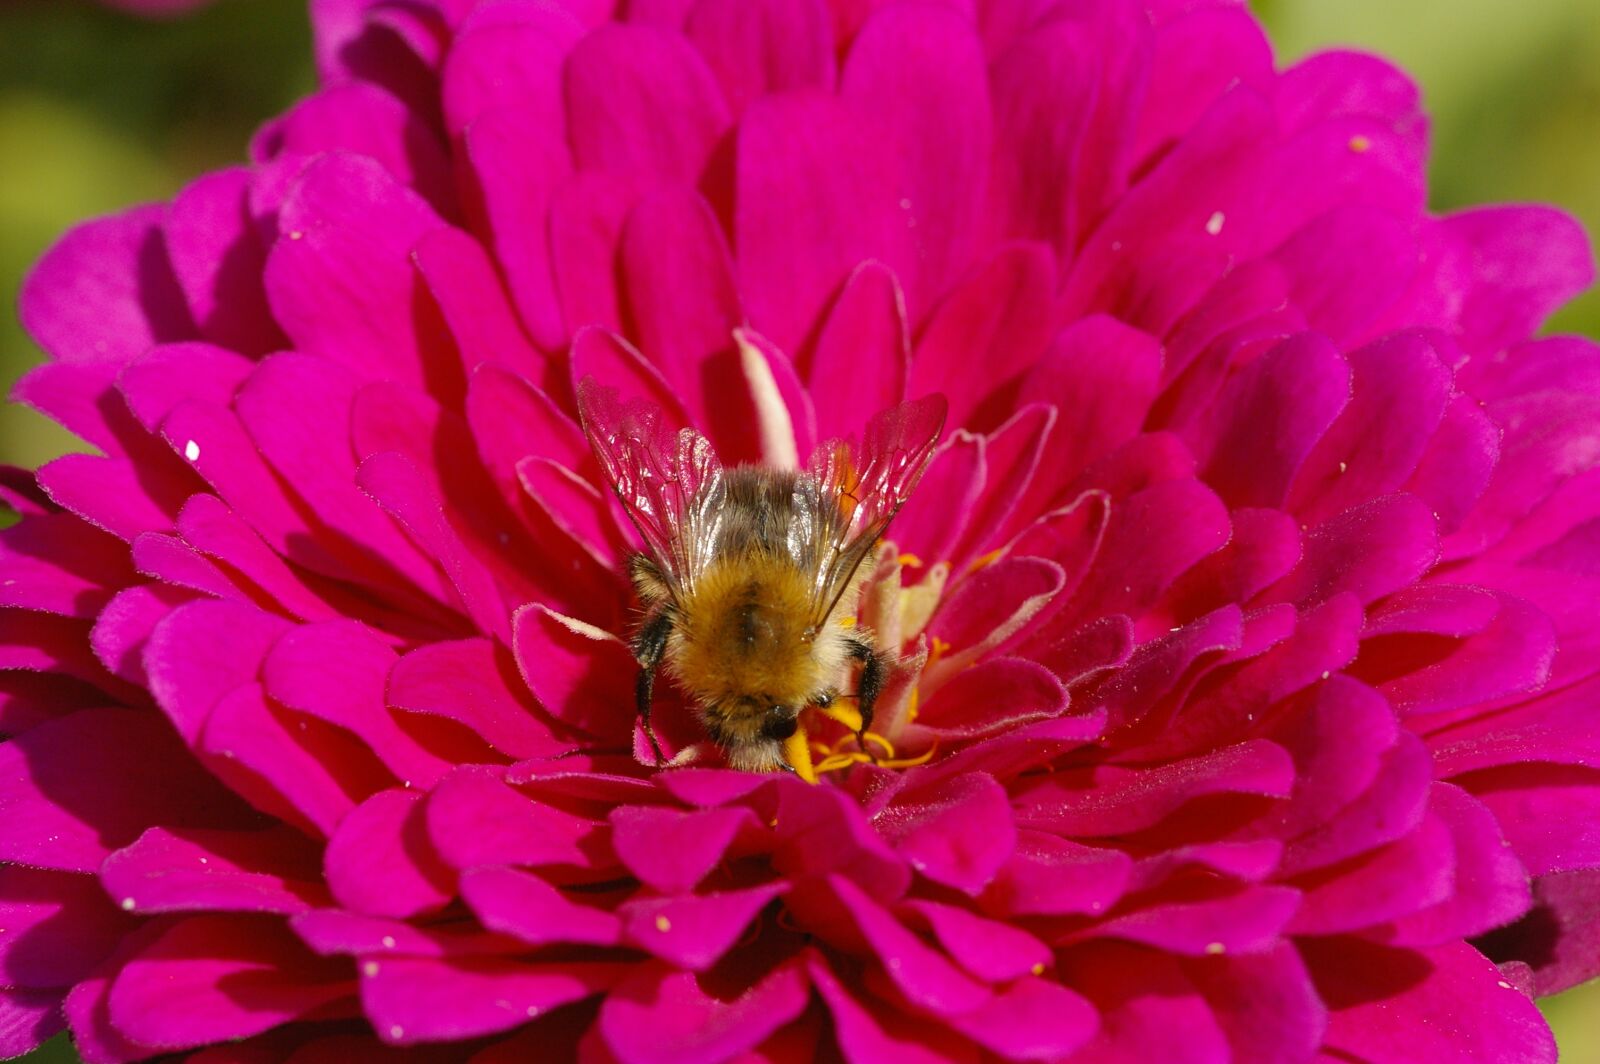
{"x": 1038, "y": 969}
{"x": 663, "y": 924}
{"x": 911, "y": 705}
{"x": 987, "y": 559}
{"x": 937, "y": 651}
{"x": 1216, "y": 949}
{"x": 841, "y": 711}
{"x": 910, "y": 561}
{"x": 797, "y": 751}
{"x": 847, "y": 622}
{"x": 1359, "y": 144}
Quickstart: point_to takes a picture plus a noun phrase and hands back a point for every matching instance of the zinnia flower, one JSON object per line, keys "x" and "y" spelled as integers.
{"x": 1248, "y": 615}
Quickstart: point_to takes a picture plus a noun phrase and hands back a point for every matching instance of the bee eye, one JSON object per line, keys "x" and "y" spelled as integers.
{"x": 780, "y": 725}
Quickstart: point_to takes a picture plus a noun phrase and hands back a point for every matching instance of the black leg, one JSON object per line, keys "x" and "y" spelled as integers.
{"x": 649, "y": 644}
{"x": 874, "y": 671}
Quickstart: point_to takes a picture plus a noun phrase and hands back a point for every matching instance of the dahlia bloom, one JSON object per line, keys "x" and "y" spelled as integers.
{"x": 1248, "y": 616}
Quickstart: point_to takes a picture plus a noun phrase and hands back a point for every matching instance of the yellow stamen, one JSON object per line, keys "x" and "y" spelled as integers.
{"x": 910, "y": 561}
{"x": 797, "y": 751}
{"x": 987, "y": 559}
{"x": 847, "y": 622}
{"x": 1359, "y": 144}
{"x": 937, "y": 651}
{"x": 911, "y": 705}
{"x": 840, "y": 710}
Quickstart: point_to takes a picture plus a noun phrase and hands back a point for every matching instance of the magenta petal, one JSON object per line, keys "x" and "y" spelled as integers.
{"x": 462, "y": 279}
{"x": 216, "y": 978}
{"x": 670, "y": 850}
{"x": 1447, "y": 1003}
{"x": 693, "y": 931}
{"x": 1368, "y": 551}
{"x": 195, "y": 870}
{"x": 958, "y": 834}
{"x": 1248, "y": 920}
{"x": 379, "y": 860}
{"x": 1490, "y": 888}
{"x": 659, "y": 1016}
{"x": 1265, "y": 1003}
{"x": 419, "y": 999}
{"x": 343, "y": 263}
{"x": 867, "y": 1032}
{"x": 858, "y": 366}
{"x": 58, "y": 926}
{"x": 1054, "y": 876}
{"x": 532, "y": 910}
{"x": 1032, "y": 1019}
{"x": 337, "y": 671}
{"x": 993, "y": 696}
{"x": 993, "y": 951}
{"x": 1101, "y": 376}
{"x": 28, "y": 1018}
{"x": 474, "y": 819}
{"x": 580, "y": 674}
{"x": 758, "y": 47}
{"x": 125, "y": 769}
{"x": 473, "y": 682}
{"x": 105, "y": 292}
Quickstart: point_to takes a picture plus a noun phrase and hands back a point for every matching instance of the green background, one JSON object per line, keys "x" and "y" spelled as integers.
{"x": 99, "y": 110}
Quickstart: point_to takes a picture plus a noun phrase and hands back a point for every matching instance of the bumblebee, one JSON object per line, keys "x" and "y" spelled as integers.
{"x": 749, "y": 573}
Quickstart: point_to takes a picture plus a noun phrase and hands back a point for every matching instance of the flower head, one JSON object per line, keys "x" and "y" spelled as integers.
{"x": 1244, "y": 619}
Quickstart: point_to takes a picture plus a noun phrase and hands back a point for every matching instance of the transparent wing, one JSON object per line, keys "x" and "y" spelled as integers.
{"x": 870, "y": 485}
{"x": 670, "y": 483}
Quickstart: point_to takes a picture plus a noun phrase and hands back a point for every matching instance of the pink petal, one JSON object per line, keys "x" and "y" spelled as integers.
{"x": 28, "y": 1018}
{"x": 658, "y": 1016}
{"x": 867, "y": 1031}
{"x": 694, "y": 931}
{"x": 379, "y": 860}
{"x": 763, "y": 47}
{"x": 462, "y": 280}
{"x": 858, "y": 366}
{"x": 341, "y": 266}
{"x": 58, "y": 927}
{"x": 418, "y": 999}
{"x": 525, "y": 906}
{"x": 1049, "y": 875}
{"x": 105, "y": 292}
{"x": 993, "y": 951}
{"x": 958, "y": 834}
{"x": 198, "y": 869}
{"x": 1369, "y": 551}
{"x": 671, "y": 851}
{"x": 474, "y": 819}
{"x": 217, "y": 978}
{"x": 576, "y": 671}
{"x": 474, "y": 683}
{"x": 993, "y": 695}
{"x": 1032, "y": 1019}
{"x": 217, "y": 255}
{"x": 200, "y": 652}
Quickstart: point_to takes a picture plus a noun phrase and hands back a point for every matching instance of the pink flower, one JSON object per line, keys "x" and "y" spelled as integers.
{"x": 1248, "y": 616}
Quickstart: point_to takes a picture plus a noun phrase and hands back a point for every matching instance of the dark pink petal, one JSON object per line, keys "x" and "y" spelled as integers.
{"x": 1244, "y": 921}
{"x": 1338, "y": 298}
{"x": 809, "y": 208}
{"x": 859, "y": 364}
{"x": 511, "y": 419}
{"x": 462, "y": 280}
{"x": 379, "y": 860}
{"x": 867, "y": 1031}
{"x": 1197, "y": 56}
{"x": 1149, "y": 673}
{"x": 985, "y": 333}
{"x": 125, "y": 770}
{"x": 839, "y": 912}
{"x": 757, "y": 47}
{"x": 474, "y": 819}
{"x": 1403, "y": 877}
{"x": 1557, "y": 937}
{"x": 1547, "y": 812}
{"x": 659, "y": 1016}
{"x": 28, "y": 1018}
{"x": 196, "y": 870}
{"x": 339, "y": 932}
{"x": 106, "y": 292}
{"x": 1101, "y": 376}
{"x": 1053, "y": 876}
{"x": 580, "y": 674}
{"x": 1032, "y": 1019}
{"x": 932, "y": 522}
{"x": 693, "y": 931}
{"x": 993, "y": 696}
{"x": 217, "y": 254}
{"x": 993, "y": 951}
{"x": 670, "y": 850}
{"x": 958, "y": 834}
{"x": 614, "y": 363}
{"x": 920, "y": 79}
{"x": 1113, "y": 800}
{"x": 532, "y": 910}
{"x": 1368, "y": 551}
{"x": 1149, "y": 1007}
{"x": 167, "y": 374}
{"x": 200, "y": 652}
{"x": 416, "y": 999}
{"x": 292, "y": 767}
{"x": 341, "y": 266}
{"x": 474, "y": 682}
{"x": 111, "y": 493}
{"x": 1392, "y": 805}
{"x": 58, "y": 927}
{"x": 985, "y": 610}
{"x": 1264, "y": 1002}
{"x": 211, "y": 527}
{"x": 820, "y": 831}
{"x": 59, "y": 564}
{"x": 74, "y": 396}
{"x": 1447, "y": 1003}
{"x": 337, "y": 671}
{"x": 1489, "y": 888}
{"x": 217, "y": 978}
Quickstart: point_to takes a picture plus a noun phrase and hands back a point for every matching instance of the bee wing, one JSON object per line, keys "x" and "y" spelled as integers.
{"x": 870, "y": 485}
{"x": 670, "y": 483}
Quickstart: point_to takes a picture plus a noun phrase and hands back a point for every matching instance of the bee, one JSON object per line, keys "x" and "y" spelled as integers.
{"x": 749, "y": 573}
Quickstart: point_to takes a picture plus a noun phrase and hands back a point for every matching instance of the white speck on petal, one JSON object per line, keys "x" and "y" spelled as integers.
{"x": 396, "y": 1031}
{"x": 1216, "y": 948}
{"x": 533, "y": 1010}
{"x": 663, "y": 924}
{"x": 1214, "y": 223}
{"x": 369, "y": 969}
{"x": 388, "y": 941}
{"x": 1326, "y": 673}
{"x": 127, "y": 905}
{"x": 1343, "y": 466}
{"x": 1504, "y": 985}
{"x": 905, "y": 205}
{"x": 191, "y": 451}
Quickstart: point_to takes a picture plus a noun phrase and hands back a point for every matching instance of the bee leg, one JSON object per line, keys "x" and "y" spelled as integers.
{"x": 874, "y": 671}
{"x": 649, "y": 645}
